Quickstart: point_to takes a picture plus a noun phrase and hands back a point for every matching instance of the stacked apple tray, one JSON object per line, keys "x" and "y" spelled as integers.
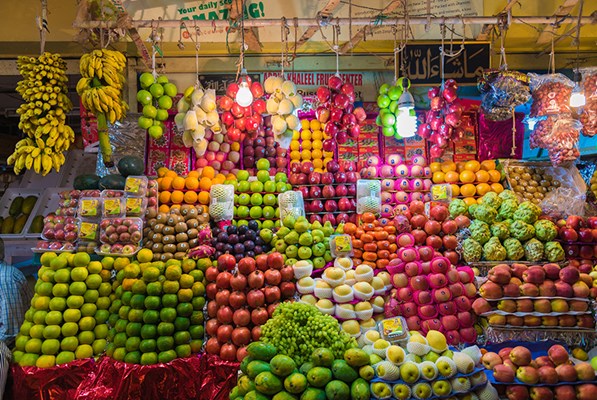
{"x": 536, "y": 297}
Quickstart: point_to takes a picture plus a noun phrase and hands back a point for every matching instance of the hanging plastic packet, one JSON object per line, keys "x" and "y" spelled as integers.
{"x": 540, "y": 135}
{"x": 501, "y": 92}
{"x": 291, "y": 204}
{"x": 368, "y": 196}
{"x": 551, "y": 94}
{"x": 564, "y": 138}
{"x": 588, "y": 116}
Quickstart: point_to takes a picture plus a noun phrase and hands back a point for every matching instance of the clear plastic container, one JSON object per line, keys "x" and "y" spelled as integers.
{"x": 368, "y": 196}
{"x": 394, "y": 330}
{"x": 121, "y": 231}
{"x": 135, "y": 185}
{"x": 60, "y": 228}
{"x": 113, "y": 207}
{"x": 110, "y": 193}
{"x": 221, "y": 206}
{"x": 90, "y": 207}
{"x": 341, "y": 246}
{"x": 118, "y": 250}
{"x": 55, "y": 246}
{"x": 291, "y": 203}
{"x": 135, "y": 206}
{"x": 86, "y": 247}
{"x": 88, "y": 230}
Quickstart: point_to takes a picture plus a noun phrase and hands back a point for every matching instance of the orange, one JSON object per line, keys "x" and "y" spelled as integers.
{"x": 455, "y": 190}
{"x": 175, "y": 207}
{"x": 171, "y": 174}
{"x": 451, "y": 177}
{"x": 460, "y": 166}
{"x": 178, "y": 183}
{"x": 448, "y": 166}
{"x": 318, "y": 163}
{"x": 205, "y": 183}
{"x": 190, "y": 197}
{"x": 203, "y": 198}
{"x": 165, "y": 183}
{"x": 482, "y": 176}
{"x": 468, "y": 190}
{"x": 488, "y": 165}
{"x": 483, "y": 188}
{"x": 469, "y": 201}
{"x": 162, "y": 172}
{"x": 497, "y": 187}
{"x": 435, "y": 166}
{"x": 208, "y": 172}
{"x": 494, "y": 176}
{"x": 164, "y": 208}
{"x": 193, "y": 174}
{"x": 467, "y": 176}
{"x": 220, "y": 178}
{"x": 439, "y": 177}
{"x": 191, "y": 183}
{"x": 177, "y": 197}
{"x": 472, "y": 165}
{"x": 165, "y": 197}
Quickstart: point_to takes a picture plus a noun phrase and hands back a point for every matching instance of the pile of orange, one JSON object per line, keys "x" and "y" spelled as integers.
{"x": 470, "y": 179}
{"x": 373, "y": 241}
{"x": 175, "y": 190}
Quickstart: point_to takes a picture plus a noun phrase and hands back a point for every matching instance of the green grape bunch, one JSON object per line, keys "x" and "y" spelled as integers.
{"x": 297, "y": 329}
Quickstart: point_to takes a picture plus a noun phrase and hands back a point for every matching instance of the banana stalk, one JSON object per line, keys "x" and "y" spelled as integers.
{"x": 104, "y": 140}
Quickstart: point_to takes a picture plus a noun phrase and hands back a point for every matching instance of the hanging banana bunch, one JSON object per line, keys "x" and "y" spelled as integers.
{"x": 100, "y": 89}
{"x": 43, "y": 115}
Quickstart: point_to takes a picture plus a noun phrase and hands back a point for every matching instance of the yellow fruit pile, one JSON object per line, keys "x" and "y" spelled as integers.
{"x": 593, "y": 183}
{"x": 310, "y": 145}
{"x": 175, "y": 190}
{"x": 43, "y": 115}
{"x": 470, "y": 179}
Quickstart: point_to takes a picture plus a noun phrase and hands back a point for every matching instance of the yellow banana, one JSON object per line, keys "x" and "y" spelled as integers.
{"x": 28, "y": 161}
{"x": 46, "y": 163}
{"x": 37, "y": 164}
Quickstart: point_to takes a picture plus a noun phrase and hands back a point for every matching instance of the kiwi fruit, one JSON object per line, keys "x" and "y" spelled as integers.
{"x": 169, "y": 248}
{"x": 168, "y": 230}
{"x": 167, "y": 239}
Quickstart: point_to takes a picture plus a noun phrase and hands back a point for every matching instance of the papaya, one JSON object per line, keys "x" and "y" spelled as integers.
{"x": 131, "y": 165}
{"x": 19, "y": 223}
{"x": 86, "y": 182}
{"x": 7, "y": 225}
{"x": 359, "y": 390}
{"x": 113, "y": 181}
{"x": 268, "y": 383}
{"x": 28, "y": 204}
{"x": 37, "y": 225}
{"x": 261, "y": 351}
{"x": 344, "y": 372}
{"x": 15, "y": 206}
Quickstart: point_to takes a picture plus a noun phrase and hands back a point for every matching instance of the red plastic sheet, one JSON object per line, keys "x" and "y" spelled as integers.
{"x": 197, "y": 377}
{"x": 495, "y": 138}
{"x": 57, "y": 383}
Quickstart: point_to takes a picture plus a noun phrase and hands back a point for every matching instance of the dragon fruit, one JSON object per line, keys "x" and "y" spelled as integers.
{"x": 201, "y": 251}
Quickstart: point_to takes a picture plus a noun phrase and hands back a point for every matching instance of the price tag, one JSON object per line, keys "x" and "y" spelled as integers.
{"x": 441, "y": 193}
{"x": 88, "y": 231}
{"x": 89, "y": 207}
{"x": 393, "y": 329}
{"x": 112, "y": 206}
{"x": 341, "y": 245}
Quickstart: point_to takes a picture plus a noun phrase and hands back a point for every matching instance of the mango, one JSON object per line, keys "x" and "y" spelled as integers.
{"x": 356, "y": 357}
{"x": 359, "y": 390}
{"x": 344, "y": 372}
{"x": 319, "y": 376}
{"x": 28, "y": 204}
{"x": 261, "y": 351}
{"x": 337, "y": 390}
{"x": 256, "y": 367}
{"x": 37, "y": 224}
{"x": 268, "y": 383}
{"x": 7, "y": 225}
{"x": 322, "y": 357}
{"x": 313, "y": 394}
{"x": 15, "y": 206}
{"x": 19, "y": 223}
{"x": 282, "y": 365}
{"x": 283, "y": 396}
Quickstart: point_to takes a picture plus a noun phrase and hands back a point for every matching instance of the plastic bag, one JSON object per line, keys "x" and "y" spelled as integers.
{"x": 588, "y": 116}
{"x": 551, "y": 94}
{"x": 495, "y": 138}
{"x": 503, "y": 91}
{"x": 563, "y": 142}
{"x": 562, "y": 202}
{"x": 539, "y": 137}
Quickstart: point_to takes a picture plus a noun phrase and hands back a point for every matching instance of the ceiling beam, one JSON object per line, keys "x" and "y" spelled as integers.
{"x": 361, "y": 34}
{"x": 486, "y": 29}
{"x": 325, "y": 12}
{"x": 251, "y": 34}
{"x": 563, "y": 10}
{"x": 133, "y": 33}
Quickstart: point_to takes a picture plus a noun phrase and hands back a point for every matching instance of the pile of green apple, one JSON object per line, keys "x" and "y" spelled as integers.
{"x": 156, "y": 97}
{"x": 426, "y": 369}
{"x": 69, "y": 311}
{"x": 298, "y": 239}
{"x": 256, "y": 198}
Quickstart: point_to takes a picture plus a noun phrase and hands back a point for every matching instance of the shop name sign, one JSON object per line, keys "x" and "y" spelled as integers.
{"x": 219, "y": 82}
{"x": 423, "y": 62}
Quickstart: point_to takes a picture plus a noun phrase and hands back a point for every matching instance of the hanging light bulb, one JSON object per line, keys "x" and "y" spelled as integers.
{"x": 244, "y": 97}
{"x": 577, "y": 99}
{"x": 406, "y": 122}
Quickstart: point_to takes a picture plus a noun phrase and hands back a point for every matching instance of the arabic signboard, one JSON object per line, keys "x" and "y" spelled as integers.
{"x": 219, "y": 82}
{"x": 423, "y": 63}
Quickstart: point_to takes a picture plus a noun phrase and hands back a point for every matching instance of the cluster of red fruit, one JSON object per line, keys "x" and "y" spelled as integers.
{"x": 559, "y": 293}
{"x": 242, "y": 121}
{"x": 516, "y": 365}
{"x": 443, "y": 118}
{"x": 432, "y": 294}
{"x": 437, "y": 230}
{"x": 242, "y": 297}
{"x": 328, "y": 196}
{"x": 337, "y": 111}
{"x": 580, "y": 236}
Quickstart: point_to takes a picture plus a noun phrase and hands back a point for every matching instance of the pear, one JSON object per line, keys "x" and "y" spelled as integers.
{"x": 285, "y": 107}
{"x": 201, "y": 115}
{"x": 387, "y": 371}
{"x": 187, "y": 139}
{"x": 198, "y": 133}
{"x": 183, "y": 105}
{"x": 179, "y": 121}
{"x": 288, "y": 88}
{"x": 464, "y": 363}
{"x": 208, "y": 104}
{"x": 293, "y": 122}
{"x": 271, "y": 105}
{"x": 395, "y": 354}
{"x": 212, "y": 118}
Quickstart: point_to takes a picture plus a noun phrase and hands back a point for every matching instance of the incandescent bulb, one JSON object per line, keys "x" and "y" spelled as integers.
{"x": 406, "y": 124}
{"x": 244, "y": 97}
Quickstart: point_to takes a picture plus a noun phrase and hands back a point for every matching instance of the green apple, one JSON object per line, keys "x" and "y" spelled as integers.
{"x": 263, "y": 165}
{"x": 441, "y": 388}
{"x": 289, "y": 261}
{"x": 291, "y": 251}
{"x": 162, "y": 79}
{"x": 266, "y": 235}
{"x": 395, "y": 354}
{"x": 155, "y": 131}
{"x": 269, "y": 186}
{"x": 244, "y": 187}
{"x": 268, "y": 224}
{"x": 256, "y": 199}
{"x": 263, "y": 176}
{"x": 256, "y": 187}
{"x": 280, "y": 187}
{"x": 409, "y": 372}
{"x": 149, "y": 111}
{"x": 161, "y": 114}
{"x": 269, "y": 212}
{"x": 242, "y": 175}
{"x": 144, "y": 97}
{"x": 242, "y": 211}
{"x": 281, "y": 177}
{"x": 156, "y": 90}
{"x": 448, "y": 353}
{"x": 428, "y": 370}
{"x": 170, "y": 89}
{"x": 165, "y": 102}
{"x": 146, "y": 80}
{"x": 318, "y": 250}
{"x": 401, "y": 391}
{"x": 594, "y": 363}
{"x": 318, "y": 262}
{"x": 244, "y": 199}
{"x": 269, "y": 199}
{"x": 242, "y": 222}
{"x": 144, "y": 122}
{"x": 256, "y": 212}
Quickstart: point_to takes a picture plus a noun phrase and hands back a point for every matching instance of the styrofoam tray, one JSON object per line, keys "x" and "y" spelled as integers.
{"x": 5, "y": 202}
{"x": 77, "y": 163}
{"x": 47, "y": 203}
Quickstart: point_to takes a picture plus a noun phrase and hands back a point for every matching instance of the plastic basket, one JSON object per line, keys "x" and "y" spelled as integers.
{"x": 5, "y": 202}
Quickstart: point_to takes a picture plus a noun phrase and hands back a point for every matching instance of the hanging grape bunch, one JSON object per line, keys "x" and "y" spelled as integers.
{"x": 336, "y": 110}
{"x": 443, "y": 119}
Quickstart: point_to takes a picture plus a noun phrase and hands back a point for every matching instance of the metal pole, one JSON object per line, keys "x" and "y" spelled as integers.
{"x": 251, "y": 23}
